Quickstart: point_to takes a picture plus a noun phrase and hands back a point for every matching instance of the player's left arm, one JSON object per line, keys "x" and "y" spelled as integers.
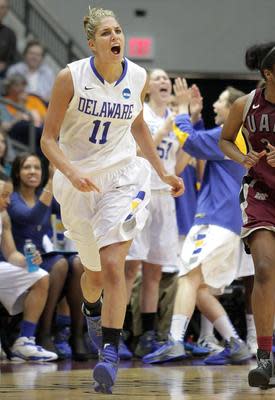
{"x": 8, "y": 248}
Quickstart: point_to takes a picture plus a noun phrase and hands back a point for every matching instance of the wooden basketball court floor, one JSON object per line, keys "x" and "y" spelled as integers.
{"x": 69, "y": 380}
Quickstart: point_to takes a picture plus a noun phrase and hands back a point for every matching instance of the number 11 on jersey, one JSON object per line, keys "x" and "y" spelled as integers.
{"x": 97, "y": 127}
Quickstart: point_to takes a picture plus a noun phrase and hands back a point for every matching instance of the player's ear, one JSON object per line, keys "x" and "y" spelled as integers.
{"x": 268, "y": 74}
{"x": 91, "y": 44}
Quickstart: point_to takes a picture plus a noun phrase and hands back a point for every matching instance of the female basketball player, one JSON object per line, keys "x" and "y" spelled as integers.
{"x": 256, "y": 112}
{"x": 153, "y": 245}
{"x": 96, "y": 110}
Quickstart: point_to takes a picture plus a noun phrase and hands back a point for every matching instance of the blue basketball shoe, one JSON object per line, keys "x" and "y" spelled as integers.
{"x": 172, "y": 350}
{"x": 61, "y": 342}
{"x": 235, "y": 352}
{"x": 196, "y": 350}
{"x": 105, "y": 370}
{"x": 123, "y": 351}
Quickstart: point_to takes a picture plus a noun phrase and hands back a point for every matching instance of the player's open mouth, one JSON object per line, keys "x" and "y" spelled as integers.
{"x": 163, "y": 90}
{"x": 115, "y": 49}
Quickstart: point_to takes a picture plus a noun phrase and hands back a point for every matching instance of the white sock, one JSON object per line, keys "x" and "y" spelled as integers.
{"x": 179, "y": 326}
{"x": 250, "y": 325}
{"x": 207, "y": 328}
{"x": 225, "y": 328}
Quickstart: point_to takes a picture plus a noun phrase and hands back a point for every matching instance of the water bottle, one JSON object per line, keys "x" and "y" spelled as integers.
{"x": 29, "y": 252}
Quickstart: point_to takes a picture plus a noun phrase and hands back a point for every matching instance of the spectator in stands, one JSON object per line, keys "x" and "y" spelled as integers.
{"x": 17, "y": 122}
{"x": 20, "y": 290}
{"x": 5, "y": 166}
{"x": 39, "y": 76}
{"x": 8, "y": 52}
{"x": 30, "y": 211}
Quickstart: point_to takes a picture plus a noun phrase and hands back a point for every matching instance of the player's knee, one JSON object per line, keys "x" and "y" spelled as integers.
{"x": 77, "y": 266}
{"x": 131, "y": 269}
{"x": 42, "y": 285}
{"x": 265, "y": 270}
{"x": 61, "y": 266}
{"x": 112, "y": 272}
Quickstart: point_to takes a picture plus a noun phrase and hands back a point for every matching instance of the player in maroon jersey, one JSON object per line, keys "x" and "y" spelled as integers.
{"x": 256, "y": 112}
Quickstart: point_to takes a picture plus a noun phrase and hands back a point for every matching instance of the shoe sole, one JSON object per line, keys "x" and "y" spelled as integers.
{"x": 17, "y": 357}
{"x": 104, "y": 381}
{"x": 242, "y": 360}
{"x": 228, "y": 361}
{"x": 159, "y": 361}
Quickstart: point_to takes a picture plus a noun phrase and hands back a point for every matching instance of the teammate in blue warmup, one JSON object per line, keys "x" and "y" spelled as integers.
{"x": 210, "y": 251}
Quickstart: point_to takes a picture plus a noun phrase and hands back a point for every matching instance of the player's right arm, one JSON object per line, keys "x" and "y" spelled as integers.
{"x": 62, "y": 94}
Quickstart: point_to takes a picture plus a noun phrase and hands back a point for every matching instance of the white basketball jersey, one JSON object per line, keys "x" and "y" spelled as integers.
{"x": 167, "y": 149}
{"x": 96, "y": 131}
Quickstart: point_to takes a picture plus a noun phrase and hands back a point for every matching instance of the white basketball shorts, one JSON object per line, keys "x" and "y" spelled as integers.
{"x": 94, "y": 220}
{"x": 216, "y": 250}
{"x": 157, "y": 243}
{"x": 14, "y": 284}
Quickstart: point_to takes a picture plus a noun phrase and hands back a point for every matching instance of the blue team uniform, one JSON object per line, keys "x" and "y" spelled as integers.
{"x": 218, "y": 199}
{"x": 33, "y": 223}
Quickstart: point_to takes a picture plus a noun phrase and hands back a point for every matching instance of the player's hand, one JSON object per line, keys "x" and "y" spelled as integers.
{"x": 252, "y": 158}
{"x": 37, "y": 259}
{"x": 270, "y": 155}
{"x": 182, "y": 92}
{"x": 176, "y": 183}
{"x": 196, "y": 102}
{"x": 82, "y": 182}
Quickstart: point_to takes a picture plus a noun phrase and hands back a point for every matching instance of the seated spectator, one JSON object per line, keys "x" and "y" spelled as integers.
{"x": 39, "y": 76}
{"x": 16, "y": 122}
{"x": 30, "y": 211}
{"x": 8, "y": 52}
{"x": 5, "y": 166}
{"x": 20, "y": 290}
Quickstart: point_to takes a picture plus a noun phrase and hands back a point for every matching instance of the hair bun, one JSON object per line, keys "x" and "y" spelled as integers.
{"x": 253, "y": 57}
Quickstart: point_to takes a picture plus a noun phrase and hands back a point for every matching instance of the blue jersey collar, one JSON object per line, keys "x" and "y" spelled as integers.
{"x": 97, "y": 74}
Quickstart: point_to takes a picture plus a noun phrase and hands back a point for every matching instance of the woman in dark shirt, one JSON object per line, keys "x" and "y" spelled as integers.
{"x": 30, "y": 212}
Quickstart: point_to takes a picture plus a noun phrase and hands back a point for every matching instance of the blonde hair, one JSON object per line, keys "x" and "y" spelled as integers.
{"x": 94, "y": 18}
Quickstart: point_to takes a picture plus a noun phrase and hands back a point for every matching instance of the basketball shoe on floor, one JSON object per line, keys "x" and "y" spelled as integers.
{"x": 61, "y": 342}
{"x": 146, "y": 344}
{"x": 196, "y": 350}
{"x": 235, "y": 352}
{"x": 26, "y": 349}
{"x": 94, "y": 327}
{"x": 123, "y": 351}
{"x": 172, "y": 350}
{"x": 211, "y": 343}
{"x": 105, "y": 370}
{"x": 260, "y": 376}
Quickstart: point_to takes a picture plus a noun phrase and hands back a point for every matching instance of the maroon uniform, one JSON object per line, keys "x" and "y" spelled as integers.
{"x": 258, "y": 190}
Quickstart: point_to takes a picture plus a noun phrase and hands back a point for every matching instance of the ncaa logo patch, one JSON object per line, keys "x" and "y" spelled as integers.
{"x": 126, "y": 93}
